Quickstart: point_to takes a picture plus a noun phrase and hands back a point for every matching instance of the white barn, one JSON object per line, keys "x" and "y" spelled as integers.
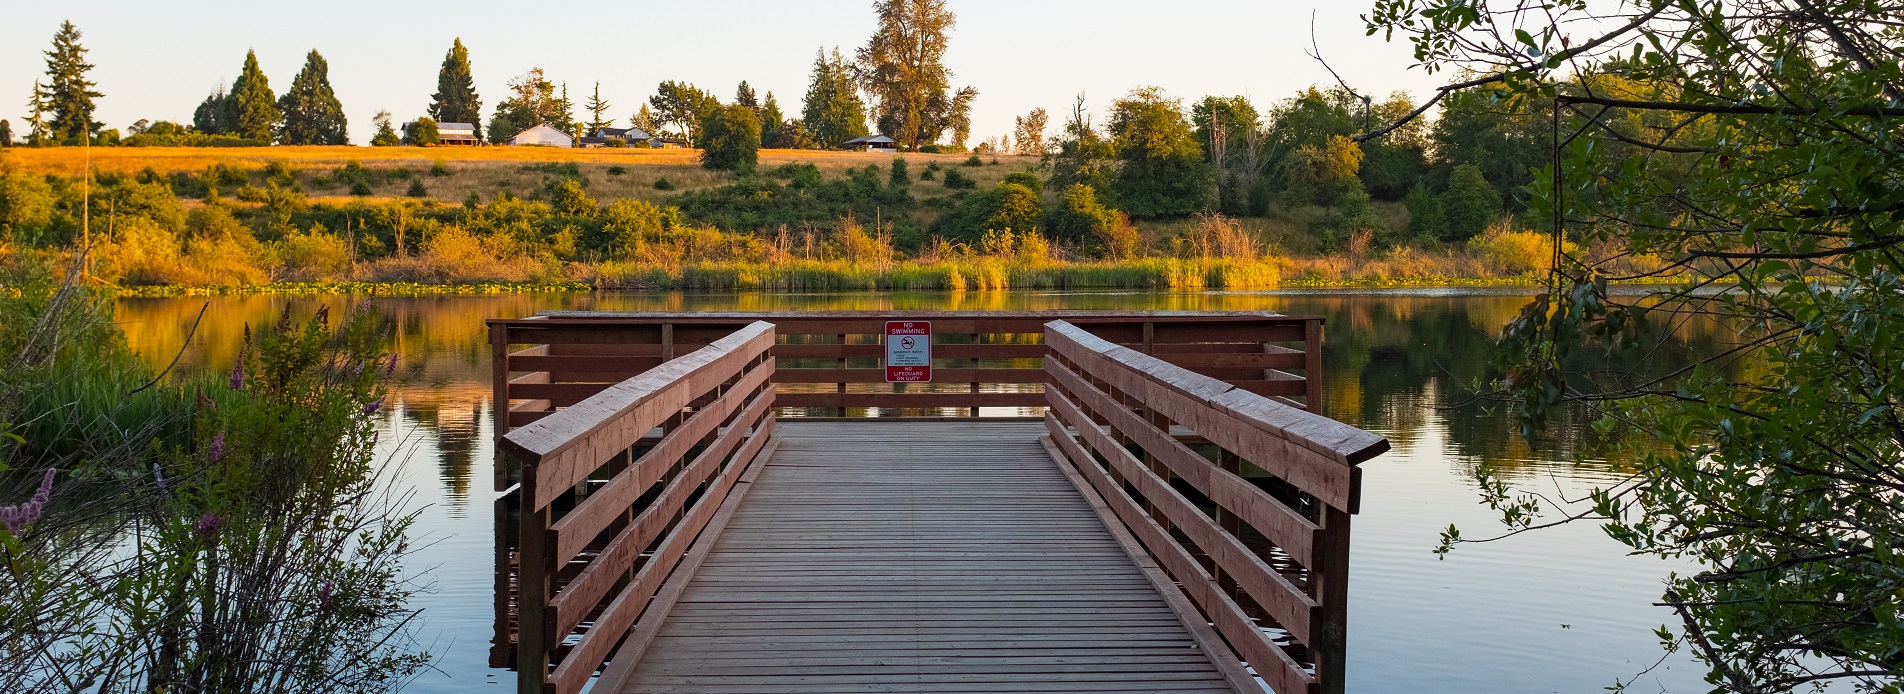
{"x": 543, "y": 135}
{"x": 463, "y": 134}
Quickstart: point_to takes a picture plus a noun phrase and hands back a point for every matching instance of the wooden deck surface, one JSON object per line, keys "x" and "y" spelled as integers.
{"x": 918, "y": 557}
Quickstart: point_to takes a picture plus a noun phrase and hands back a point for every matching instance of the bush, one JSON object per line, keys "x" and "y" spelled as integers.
{"x": 730, "y": 139}
{"x": 439, "y": 169}
{"x": 416, "y": 189}
{"x": 615, "y": 142}
{"x": 617, "y": 170}
{"x": 1516, "y": 252}
{"x": 360, "y": 188}
{"x": 313, "y": 256}
{"x": 663, "y": 184}
{"x": 957, "y": 180}
{"x": 974, "y": 161}
{"x": 1471, "y": 204}
{"x": 422, "y": 132}
{"x": 929, "y": 149}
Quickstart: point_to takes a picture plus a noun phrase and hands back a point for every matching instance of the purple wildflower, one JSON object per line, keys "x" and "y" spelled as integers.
{"x": 357, "y": 370}
{"x": 372, "y": 406}
{"x": 217, "y": 448}
{"x": 18, "y": 516}
{"x": 238, "y": 375}
{"x": 207, "y": 526}
{"x": 391, "y": 367}
{"x": 324, "y": 595}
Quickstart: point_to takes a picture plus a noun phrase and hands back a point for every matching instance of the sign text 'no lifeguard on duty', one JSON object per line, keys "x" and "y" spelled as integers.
{"x": 908, "y": 351}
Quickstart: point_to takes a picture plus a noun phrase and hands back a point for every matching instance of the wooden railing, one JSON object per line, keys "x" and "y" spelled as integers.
{"x": 1161, "y": 444}
{"x": 617, "y": 485}
{"x": 828, "y": 363}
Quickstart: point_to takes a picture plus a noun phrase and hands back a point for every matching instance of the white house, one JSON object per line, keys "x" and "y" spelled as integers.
{"x": 544, "y": 136}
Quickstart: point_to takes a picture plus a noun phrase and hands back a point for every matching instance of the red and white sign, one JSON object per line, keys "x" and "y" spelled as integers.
{"x": 908, "y": 351}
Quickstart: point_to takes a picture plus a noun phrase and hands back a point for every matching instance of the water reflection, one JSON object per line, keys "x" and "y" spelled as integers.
{"x": 1488, "y": 619}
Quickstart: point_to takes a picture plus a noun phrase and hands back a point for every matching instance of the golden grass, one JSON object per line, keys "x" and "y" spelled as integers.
{"x": 485, "y": 170}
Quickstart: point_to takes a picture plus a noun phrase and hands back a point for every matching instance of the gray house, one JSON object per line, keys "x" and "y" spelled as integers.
{"x": 872, "y": 143}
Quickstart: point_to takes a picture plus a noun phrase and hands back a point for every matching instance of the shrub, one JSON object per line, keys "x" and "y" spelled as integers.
{"x": 26, "y": 203}
{"x": 1516, "y": 252}
{"x": 312, "y": 256}
{"x": 615, "y": 142}
{"x": 439, "y": 169}
{"x": 617, "y": 170}
{"x": 663, "y": 184}
{"x": 957, "y": 180}
{"x": 416, "y": 189}
{"x": 730, "y": 139}
{"x": 360, "y": 188}
{"x": 1470, "y": 203}
{"x": 422, "y": 132}
{"x": 929, "y": 149}
{"x": 974, "y": 161}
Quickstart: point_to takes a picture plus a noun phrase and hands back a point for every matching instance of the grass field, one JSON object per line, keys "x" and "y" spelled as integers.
{"x": 482, "y": 170}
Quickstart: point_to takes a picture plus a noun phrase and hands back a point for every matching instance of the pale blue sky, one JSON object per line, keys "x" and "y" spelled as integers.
{"x": 157, "y": 60}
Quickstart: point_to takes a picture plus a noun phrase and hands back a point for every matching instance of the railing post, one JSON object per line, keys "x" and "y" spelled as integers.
{"x": 533, "y": 573}
{"x": 499, "y": 397}
{"x": 1332, "y": 592}
{"x": 1312, "y": 365}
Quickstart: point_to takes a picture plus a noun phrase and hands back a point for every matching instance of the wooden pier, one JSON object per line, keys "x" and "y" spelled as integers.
{"x": 680, "y": 528}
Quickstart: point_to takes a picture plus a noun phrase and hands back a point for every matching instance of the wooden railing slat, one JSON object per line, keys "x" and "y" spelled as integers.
{"x": 1286, "y": 602}
{"x": 1282, "y": 673}
{"x": 1282, "y": 525}
{"x": 1025, "y": 375}
{"x": 912, "y": 400}
{"x": 620, "y": 614}
{"x": 571, "y": 605}
{"x": 575, "y": 530}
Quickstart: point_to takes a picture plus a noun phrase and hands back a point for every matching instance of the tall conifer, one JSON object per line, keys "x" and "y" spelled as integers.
{"x": 455, "y": 100}
{"x": 312, "y": 113}
{"x": 833, "y": 111}
{"x": 254, "y": 109}
{"x": 68, "y": 95}
{"x": 771, "y": 120}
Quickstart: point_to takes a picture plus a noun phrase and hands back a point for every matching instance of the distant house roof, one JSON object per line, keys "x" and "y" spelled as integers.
{"x": 455, "y": 132}
{"x": 441, "y": 127}
{"x": 629, "y": 134}
{"x": 874, "y": 139}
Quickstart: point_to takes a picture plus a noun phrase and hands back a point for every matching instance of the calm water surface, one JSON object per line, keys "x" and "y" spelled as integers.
{"x": 1563, "y": 610}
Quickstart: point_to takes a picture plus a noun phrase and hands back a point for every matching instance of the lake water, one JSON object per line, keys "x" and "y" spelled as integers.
{"x": 1562, "y": 610}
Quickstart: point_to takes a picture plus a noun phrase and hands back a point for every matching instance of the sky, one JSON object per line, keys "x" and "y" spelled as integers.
{"x": 157, "y": 60}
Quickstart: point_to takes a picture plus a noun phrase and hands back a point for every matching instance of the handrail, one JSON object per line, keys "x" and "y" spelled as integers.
{"x": 635, "y": 496}
{"x": 1131, "y": 423}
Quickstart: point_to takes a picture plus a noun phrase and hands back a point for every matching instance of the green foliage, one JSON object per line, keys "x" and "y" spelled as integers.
{"x": 1736, "y": 145}
{"x": 213, "y": 115}
{"x": 439, "y": 169}
{"x": 805, "y": 198}
{"x": 422, "y": 132}
{"x": 1469, "y": 203}
{"x": 416, "y": 189}
{"x": 1425, "y": 217}
{"x": 455, "y": 100}
{"x": 386, "y": 136}
{"x": 617, "y": 170}
{"x": 67, "y": 94}
{"x": 958, "y": 180}
{"x": 900, "y": 176}
{"x": 902, "y": 67}
{"x": 1081, "y": 216}
{"x": 1161, "y": 170}
{"x": 771, "y": 123}
{"x": 1005, "y": 207}
{"x": 833, "y": 112}
{"x": 1322, "y": 175}
{"x": 1351, "y": 224}
{"x": 974, "y": 161}
{"x": 312, "y": 113}
{"x": 6, "y": 133}
{"x": 567, "y": 197}
{"x": 1084, "y": 156}
{"x": 26, "y": 206}
{"x": 534, "y": 102}
{"x": 1393, "y": 164}
{"x": 663, "y": 183}
{"x": 683, "y": 109}
{"x": 730, "y": 140}
{"x": 254, "y": 110}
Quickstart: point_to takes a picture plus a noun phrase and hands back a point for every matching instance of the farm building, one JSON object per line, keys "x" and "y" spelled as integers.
{"x": 543, "y": 136}
{"x": 457, "y": 134}
{"x": 871, "y": 143}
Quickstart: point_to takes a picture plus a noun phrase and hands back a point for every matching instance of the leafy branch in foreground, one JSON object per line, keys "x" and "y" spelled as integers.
{"x": 229, "y": 535}
{"x": 1754, "y": 145}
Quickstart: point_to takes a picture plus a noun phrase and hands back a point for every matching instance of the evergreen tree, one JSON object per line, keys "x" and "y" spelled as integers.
{"x": 68, "y": 95}
{"x": 731, "y": 139}
{"x": 1470, "y": 204}
{"x": 744, "y": 96}
{"x": 833, "y": 112}
{"x": 6, "y": 133}
{"x": 1425, "y": 218}
{"x": 903, "y": 67}
{"x": 36, "y": 116}
{"x": 312, "y": 113}
{"x": 254, "y": 109}
{"x": 596, "y": 107}
{"x": 771, "y": 120}
{"x": 386, "y": 135}
{"x": 210, "y": 118}
{"x": 455, "y": 100}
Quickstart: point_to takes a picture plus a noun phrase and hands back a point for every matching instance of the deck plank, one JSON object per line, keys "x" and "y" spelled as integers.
{"x": 919, "y": 557}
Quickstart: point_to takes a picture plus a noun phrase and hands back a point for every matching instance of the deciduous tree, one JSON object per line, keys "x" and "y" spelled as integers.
{"x": 903, "y": 66}
{"x": 386, "y": 136}
{"x": 1029, "y": 132}
{"x": 1161, "y": 171}
{"x": 212, "y": 116}
{"x": 455, "y": 100}
{"x": 534, "y": 102}
{"x": 312, "y": 113}
{"x": 682, "y": 107}
{"x": 731, "y": 139}
{"x": 1469, "y": 204}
